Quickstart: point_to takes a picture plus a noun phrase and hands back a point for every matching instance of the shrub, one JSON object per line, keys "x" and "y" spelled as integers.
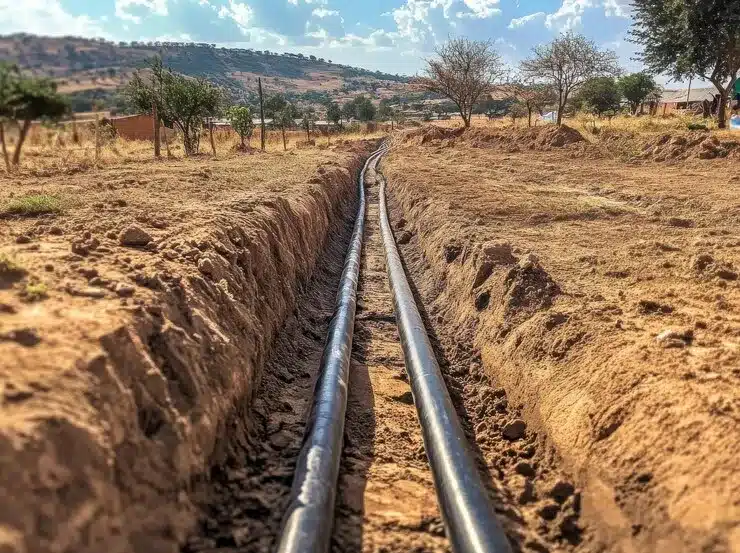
{"x": 36, "y": 204}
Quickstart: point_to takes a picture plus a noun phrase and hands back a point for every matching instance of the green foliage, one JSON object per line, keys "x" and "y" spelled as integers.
{"x": 36, "y": 204}
{"x": 364, "y": 108}
{"x": 691, "y": 38}
{"x": 637, "y": 88}
{"x": 600, "y": 95}
{"x": 334, "y": 113}
{"x": 182, "y": 101}
{"x": 385, "y": 110}
{"x": 35, "y": 291}
{"x": 23, "y": 100}
{"x": 494, "y": 107}
{"x": 240, "y": 118}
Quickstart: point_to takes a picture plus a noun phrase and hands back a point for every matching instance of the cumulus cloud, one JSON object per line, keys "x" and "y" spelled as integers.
{"x": 481, "y": 9}
{"x": 123, "y": 8}
{"x": 570, "y": 13}
{"x": 323, "y": 12}
{"x": 46, "y": 17}
{"x": 522, "y": 21}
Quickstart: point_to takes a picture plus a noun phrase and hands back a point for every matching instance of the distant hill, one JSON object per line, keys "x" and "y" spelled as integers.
{"x": 94, "y": 70}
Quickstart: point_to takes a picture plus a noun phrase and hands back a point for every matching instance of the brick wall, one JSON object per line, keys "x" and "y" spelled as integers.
{"x": 134, "y": 127}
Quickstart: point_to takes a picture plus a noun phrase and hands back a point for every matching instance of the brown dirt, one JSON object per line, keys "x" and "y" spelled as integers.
{"x": 134, "y": 323}
{"x": 602, "y": 297}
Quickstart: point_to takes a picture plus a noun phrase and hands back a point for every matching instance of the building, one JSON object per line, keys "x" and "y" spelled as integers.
{"x": 673, "y": 100}
{"x": 135, "y": 127}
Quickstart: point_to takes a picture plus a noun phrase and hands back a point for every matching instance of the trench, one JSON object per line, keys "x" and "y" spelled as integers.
{"x": 386, "y": 499}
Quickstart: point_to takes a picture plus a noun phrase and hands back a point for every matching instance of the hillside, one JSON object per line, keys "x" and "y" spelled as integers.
{"x": 94, "y": 69}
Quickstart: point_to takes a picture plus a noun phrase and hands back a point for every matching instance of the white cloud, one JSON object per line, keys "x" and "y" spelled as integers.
{"x": 240, "y": 13}
{"x": 323, "y": 12}
{"x": 481, "y": 9}
{"x": 570, "y": 13}
{"x": 45, "y": 17}
{"x": 122, "y": 7}
{"x": 521, "y": 21}
{"x": 413, "y": 19}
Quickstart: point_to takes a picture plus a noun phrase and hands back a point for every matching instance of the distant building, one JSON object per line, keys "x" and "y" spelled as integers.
{"x": 673, "y": 100}
{"x": 135, "y": 127}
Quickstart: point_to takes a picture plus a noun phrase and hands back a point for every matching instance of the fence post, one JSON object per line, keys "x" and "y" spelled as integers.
{"x": 262, "y": 114}
{"x": 155, "y": 116}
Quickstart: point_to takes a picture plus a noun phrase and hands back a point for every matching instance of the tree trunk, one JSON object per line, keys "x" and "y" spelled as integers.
{"x": 285, "y": 144}
{"x": 722, "y": 111}
{"x": 244, "y": 146}
{"x": 308, "y": 132}
{"x": 642, "y": 108}
{"x": 157, "y": 145}
{"x": 167, "y": 143}
{"x": 706, "y": 108}
{"x": 210, "y": 133}
{"x": 4, "y": 146}
{"x": 97, "y": 138}
{"x": 529, "y": 116}
{"x": 21, "y": 140}
{"x": 561, "y": 102}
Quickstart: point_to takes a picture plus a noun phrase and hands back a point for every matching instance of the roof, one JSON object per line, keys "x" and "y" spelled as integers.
{"x": 679, "y": 96}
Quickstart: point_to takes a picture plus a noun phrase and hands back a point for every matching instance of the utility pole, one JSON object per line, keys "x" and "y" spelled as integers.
{"x": 262, "y": 114}
{"x": 688, "y": 94}
{"x": 155, "y": 116}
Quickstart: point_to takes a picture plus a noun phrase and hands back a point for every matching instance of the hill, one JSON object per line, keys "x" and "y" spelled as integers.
{"x": 94, "y": 70}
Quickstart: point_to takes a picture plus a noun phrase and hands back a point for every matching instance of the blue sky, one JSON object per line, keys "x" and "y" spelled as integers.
{"x": 390, "y": 35}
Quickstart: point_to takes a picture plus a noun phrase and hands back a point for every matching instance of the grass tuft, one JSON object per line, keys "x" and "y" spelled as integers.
{"x": 10, "y": 267}
{"x": 35, "y": 291}
{"x": 37, "y": 204}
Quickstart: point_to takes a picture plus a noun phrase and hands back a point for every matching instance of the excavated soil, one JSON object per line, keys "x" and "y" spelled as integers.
{"x": 602, "y": 298}
{"x": 135, "y": 325}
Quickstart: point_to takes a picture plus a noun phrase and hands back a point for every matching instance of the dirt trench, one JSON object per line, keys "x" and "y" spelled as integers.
{"x": 114, "y": 399}
{"x": 386, "y": 500}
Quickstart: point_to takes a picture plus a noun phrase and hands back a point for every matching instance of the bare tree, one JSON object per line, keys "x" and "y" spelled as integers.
{"x": 566, "y": 63}
{"x": 465, "y": 71}
{"x": 535, "y": 97}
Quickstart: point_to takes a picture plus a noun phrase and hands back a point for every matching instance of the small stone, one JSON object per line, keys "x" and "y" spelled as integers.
{"x": 49, "y": 268}
{"x": 549, "y": 511}
{"x": 23, "y": 239}
{"x": 671, "y": 338}
{"x": 524, "y": 468}
{"x": 561, "y": 491}
{"x": 27, "y": 337}
{"x": 452, "y": 252}
{"x": 88, "y": 272}
{"x": 134, "y": 236}
{"x": 514, "y": 430}
{"x": 112, "y": 234}
{"x": 56, "y": 231}
{"x": 404, "y": 237}
{"x": 124, "y": 290}
{"x": 205, "y": 266}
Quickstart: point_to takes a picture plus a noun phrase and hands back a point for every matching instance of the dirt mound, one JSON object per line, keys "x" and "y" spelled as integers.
{"x": 134, "y": 323}
{"x": 669, "y": 146}
{"x": 510, "y": 139}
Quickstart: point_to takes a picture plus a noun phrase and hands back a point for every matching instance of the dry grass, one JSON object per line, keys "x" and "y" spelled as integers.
{"x": 586, "y": 123}
{"x": 52, "y": 151}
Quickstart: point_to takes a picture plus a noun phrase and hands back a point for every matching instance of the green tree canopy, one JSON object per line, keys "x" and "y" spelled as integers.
{"x": 24, "y": 100}
{"x": 600, "y": 95}
{"x": 334, "y": 113}
{"x": 637, "y": 88}
{"x": 691, "y": 38}
{"x": 240, "y": 119}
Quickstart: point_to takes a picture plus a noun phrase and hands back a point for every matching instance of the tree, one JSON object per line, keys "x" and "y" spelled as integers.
{"x": 364, "y": 108}
{"x": 240, "y": 118}
{"x": 182, "y": 101}
{"x": 600, "y": 95}
{"x": 348, "y": 111}
{"x": 309, "y": 118}
{"x": 334, "y": 113}
{"x": 691, "y": 38}
{"x": 516, "y": 110}
{"x": 566, "y": 64}
{"x": 285, "y": 119}
{"x": 637, "y": 88}
{"x": 24, "y": 100}
{"x": 463, "y": 71}
{"x": 494, "y": 107}
{"x": 385, "y": 111}
{"x": 535, "y": 97}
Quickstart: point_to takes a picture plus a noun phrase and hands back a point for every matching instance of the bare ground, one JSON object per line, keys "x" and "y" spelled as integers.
{"x": 134, "y": 322}
{"x": 602, "y": 296}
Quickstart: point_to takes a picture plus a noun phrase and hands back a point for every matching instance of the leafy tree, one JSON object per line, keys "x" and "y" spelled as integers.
{"x": 566, "y": 64}
{"x": 240, "y": 118}
{"x": 600, "y": 95}
{"x": 385, "y": 110}
{"x": 275, "y": 104}
{"x": 24, "y": 100}
{"x": 348, "y": 111}
{"x": 493, "y": 107}
{"x": 182, "y": 101}
{"x": 334, "y": 113}
{"x": 637, "y": 88}
{"x": 691, "y": 38}
{"x": 364, "y": 108}
{"x": 285, "y": 119}
{"x": 463, "y": 71}
{"x": 516, "y": 110}
{"x": 309, "y": 118}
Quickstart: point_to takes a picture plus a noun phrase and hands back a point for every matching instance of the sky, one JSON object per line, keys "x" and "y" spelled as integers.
{"x": 388, "y": 35}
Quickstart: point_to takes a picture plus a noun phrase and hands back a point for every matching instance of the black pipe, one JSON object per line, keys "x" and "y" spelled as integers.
{"x": 469, "y": 517}
{"x": 309, "y": 520}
